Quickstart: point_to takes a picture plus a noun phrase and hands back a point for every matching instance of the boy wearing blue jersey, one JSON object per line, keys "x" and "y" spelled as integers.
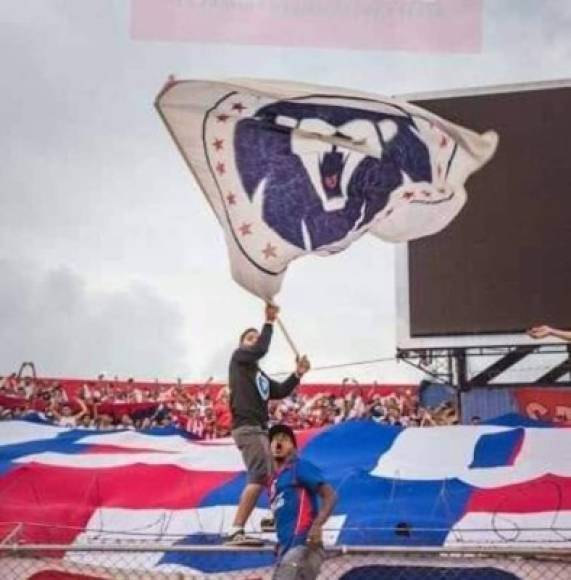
{"x": 301, "y": 501}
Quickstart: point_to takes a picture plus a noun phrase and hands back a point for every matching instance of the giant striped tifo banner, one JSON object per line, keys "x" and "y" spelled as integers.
{"x": 500, "y": 484}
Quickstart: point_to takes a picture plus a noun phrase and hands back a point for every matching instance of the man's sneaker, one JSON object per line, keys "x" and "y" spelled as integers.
{"x": 240, "y": 539}
{"x": 268, "y": 525}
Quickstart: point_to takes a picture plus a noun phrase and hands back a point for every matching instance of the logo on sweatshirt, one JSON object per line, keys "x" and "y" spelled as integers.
{"x": 263, "y": 384}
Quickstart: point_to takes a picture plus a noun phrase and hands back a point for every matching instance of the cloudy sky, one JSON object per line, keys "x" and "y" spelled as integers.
{"x": 111, "y": 259}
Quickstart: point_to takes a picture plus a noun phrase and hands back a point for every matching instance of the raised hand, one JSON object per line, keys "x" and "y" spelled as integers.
{"x": 272, "y": 311}
{"x": 302, "y": 365}
{"x": 540, "y": 331}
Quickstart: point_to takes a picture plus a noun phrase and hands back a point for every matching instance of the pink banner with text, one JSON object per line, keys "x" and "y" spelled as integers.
{"x": 409, "y": 25}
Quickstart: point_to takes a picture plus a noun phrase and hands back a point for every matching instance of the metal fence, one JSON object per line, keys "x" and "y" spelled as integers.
{"x": 141, "y": 561}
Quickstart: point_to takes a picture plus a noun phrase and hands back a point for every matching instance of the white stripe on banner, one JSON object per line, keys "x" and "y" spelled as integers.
{"x": 427, "y": 454}
{"x": 194, "y": 458}
{"x": 17, "y": 432}
{"x": 112, "y": 525}
{"x": 135, "y": 440}
{"x": 543, "y": 529}
{"x": 447, "y": 452}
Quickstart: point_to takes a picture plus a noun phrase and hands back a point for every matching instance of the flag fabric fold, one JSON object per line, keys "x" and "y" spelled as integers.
{"x": 291, "y": 169}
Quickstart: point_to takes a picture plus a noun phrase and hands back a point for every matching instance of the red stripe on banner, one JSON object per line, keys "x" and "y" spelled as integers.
{"x": 64, "y": 496}
{"x": 58, "y": 575}
{"x": 547, "y": 493}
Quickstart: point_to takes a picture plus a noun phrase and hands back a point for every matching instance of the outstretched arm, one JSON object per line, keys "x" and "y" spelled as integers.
{"x": 543, "y": 331}
{"x": 282, "y": 390}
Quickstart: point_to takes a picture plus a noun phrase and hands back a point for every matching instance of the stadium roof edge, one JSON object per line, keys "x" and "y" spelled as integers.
{"x": 486, "y": 90}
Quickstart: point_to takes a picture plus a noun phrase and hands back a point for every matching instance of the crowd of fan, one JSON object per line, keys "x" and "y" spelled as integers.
{"x": 203, "y": 411}
{"x": 397, "y": 409}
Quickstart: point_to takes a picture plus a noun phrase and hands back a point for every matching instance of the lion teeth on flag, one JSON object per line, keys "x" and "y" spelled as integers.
{"x": 295, "y": 169}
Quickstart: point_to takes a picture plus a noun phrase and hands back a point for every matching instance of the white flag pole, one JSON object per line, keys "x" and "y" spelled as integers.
{"x": 288, "y": 337}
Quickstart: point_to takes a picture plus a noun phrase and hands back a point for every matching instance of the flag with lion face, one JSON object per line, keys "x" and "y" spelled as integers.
{"x": 292, "y": 169}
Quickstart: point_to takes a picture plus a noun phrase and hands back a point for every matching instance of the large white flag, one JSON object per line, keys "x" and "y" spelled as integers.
{"x": 295, "y": 169}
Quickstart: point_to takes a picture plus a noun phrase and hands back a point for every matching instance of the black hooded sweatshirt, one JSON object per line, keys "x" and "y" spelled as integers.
{"x": 250, "y": 387}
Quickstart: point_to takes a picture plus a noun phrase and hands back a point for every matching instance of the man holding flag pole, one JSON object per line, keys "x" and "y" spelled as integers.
{"x": 250, "y": 391}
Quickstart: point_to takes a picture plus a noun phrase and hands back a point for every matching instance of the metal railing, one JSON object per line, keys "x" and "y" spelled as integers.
{"x": 150, "y": 560}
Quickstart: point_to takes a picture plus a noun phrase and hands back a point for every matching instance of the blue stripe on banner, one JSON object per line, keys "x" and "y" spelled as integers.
{"x": 515, "y": 420}
{"x": 379, "y": 510}
{"x": 400, "y": 512}
{"x": 229, "y": 494}
{"x": 219, "y": 562}
{"x": 334, "y": 450}
{"x": 497, "y": 449}
{"x": 68, "y": 442}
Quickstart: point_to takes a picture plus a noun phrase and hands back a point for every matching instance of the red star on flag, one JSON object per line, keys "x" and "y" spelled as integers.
{"x": 222, "y": 118}
{"x": 220, "y": 168}
{"x": 269, "y": 251}
{"x": 231, "y": 199}
{"x": 217, "y": 144}
{"x": 245, "y": 229}
{"x": 238, "y": 107}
